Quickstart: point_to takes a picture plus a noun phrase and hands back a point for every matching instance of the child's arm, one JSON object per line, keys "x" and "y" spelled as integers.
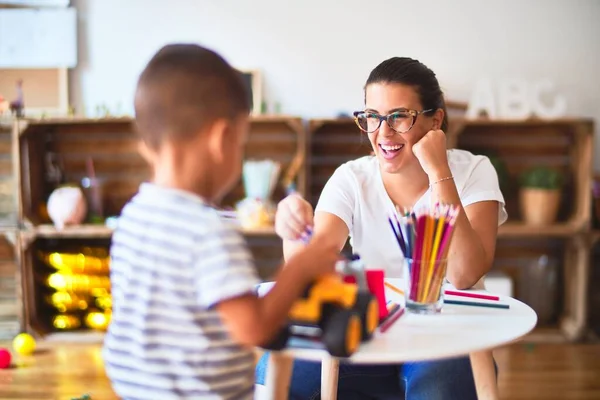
{"x": 226, "y": 280}
{"x": 253, "y": 320}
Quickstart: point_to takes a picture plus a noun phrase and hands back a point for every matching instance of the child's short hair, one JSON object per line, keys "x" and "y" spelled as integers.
{"x": 183, "y": 89}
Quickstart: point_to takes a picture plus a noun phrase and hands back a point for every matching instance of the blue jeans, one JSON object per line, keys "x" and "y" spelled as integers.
{"x": 435, "y": 380}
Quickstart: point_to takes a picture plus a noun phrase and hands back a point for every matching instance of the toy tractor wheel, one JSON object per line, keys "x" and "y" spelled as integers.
{"x": 367, "y": 308}
{"x": 342, "y": 333}
{"x": 279, "y": 341}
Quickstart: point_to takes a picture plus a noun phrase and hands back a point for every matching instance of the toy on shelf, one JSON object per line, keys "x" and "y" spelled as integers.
{"x": 17, "y": 105}
{"x": 4, "y": 105}
{"x": 92, "y": 188}
{"x": 345, "y": 313}
{"x": 67, "y": 206}
{"x": 81, "y": 284}
{"x": 257, "y": 210}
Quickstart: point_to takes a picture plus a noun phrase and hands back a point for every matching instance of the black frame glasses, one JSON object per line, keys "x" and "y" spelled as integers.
{"x": 387, "y": 118}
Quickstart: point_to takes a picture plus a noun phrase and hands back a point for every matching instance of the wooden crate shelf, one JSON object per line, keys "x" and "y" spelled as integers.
{"x": 113, "y": 146}
{"x": 309, "y": 153}
{"x": 331, "y": 142}
{"x": 102, "y": 231}
{"x": 565, "y": 145}
{"x": 9, "y": 164}
{"x": 39, "y": 310}
{"x": 520, "y": 229}
{"x": 11, "y": 306}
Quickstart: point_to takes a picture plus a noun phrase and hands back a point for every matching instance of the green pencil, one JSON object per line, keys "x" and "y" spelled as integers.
{"x": 476, "y": 304}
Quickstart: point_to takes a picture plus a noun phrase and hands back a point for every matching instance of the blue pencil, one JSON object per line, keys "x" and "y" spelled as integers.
{"x": 476, "y": 304}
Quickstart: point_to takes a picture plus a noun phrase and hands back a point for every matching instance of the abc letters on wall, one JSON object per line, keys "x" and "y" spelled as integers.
{"x": 516, "y": 99}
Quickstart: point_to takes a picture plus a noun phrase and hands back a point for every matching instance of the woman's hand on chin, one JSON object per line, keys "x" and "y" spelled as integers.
{"x": 430, "y": 150}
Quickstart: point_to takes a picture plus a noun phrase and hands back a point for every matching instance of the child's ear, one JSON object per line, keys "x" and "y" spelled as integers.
{"x": 438, "y": 118}
{"x": 217, "y": 139}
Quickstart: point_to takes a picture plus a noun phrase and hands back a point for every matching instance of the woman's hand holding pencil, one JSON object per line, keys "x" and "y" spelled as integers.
{"x": 294, "y": 218}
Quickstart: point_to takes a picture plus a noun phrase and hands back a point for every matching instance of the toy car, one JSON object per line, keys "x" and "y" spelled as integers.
{"x": 346, "y": 313}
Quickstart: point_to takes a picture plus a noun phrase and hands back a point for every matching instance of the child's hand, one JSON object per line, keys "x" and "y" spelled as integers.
{"x": 294, "y": 215}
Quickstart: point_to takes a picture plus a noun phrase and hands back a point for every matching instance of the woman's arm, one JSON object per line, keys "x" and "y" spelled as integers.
{"x": 473, "y": 244}
{"x": 329, "y": 229}
{"x": 474, "y": 241}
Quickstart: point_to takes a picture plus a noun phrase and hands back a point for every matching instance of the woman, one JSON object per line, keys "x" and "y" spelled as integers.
{"x": 405, "y": 120}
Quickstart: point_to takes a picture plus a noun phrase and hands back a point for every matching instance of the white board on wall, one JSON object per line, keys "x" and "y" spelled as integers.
{"x": 38, "y": 38}
{"x": 35, "y": 3}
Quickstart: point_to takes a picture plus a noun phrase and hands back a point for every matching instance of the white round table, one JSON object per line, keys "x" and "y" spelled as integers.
{"x": 458, "y": 330}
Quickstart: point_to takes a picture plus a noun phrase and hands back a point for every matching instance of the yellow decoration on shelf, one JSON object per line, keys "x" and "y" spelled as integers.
{"x": 66, "y": 301}
{"x": 78, "y": 263}
{"x": 66, "y": 322}
{"x": 104, "y": 302}
{"x": 78, "y": 283}
{"x": 98, "y": 320}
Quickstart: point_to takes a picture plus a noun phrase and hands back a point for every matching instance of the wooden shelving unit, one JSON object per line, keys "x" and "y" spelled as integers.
{"x": 309, "y": 152}
{"x": 565, "y": 144}
{"x": 11, "y": 309}
{"x": 112, "y": 146}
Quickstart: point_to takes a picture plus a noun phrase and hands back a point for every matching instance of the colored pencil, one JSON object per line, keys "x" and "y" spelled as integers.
{"x": 391, "y": 319}
{"x": 394, "y": 288}
{"x": 472, "y": 295}
{"x": 476, "y": 304}
{"x": 441, "y": 225}
{"x": 423, "y": 236}
{"x": 398, "y": 235}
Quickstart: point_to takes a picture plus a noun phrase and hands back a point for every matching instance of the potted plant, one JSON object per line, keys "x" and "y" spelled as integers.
{"x": 540, "y": 195}
{"x": 503, "y": 175}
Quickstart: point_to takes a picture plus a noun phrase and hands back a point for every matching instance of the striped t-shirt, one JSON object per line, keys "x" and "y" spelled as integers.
{"x": 172, "y": 260}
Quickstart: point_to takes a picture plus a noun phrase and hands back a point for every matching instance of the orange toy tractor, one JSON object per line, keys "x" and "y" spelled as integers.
{"x": 346, "y": 313}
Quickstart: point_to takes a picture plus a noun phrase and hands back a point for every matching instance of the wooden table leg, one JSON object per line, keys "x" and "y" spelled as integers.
{"x": 330, "y": 368}
{"x": 484, "y": 374}
{"x": 279, "y": 374}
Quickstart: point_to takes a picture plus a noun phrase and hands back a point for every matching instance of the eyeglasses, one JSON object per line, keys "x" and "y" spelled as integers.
{"x": 400, "y": 121}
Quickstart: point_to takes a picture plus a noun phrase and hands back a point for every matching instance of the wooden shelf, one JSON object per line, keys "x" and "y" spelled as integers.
{"x": 510, "y": 229}
{"x": 519, "y": 229}
{"x": 266, "y": 231}
{"x": 78, "y": 120}
{"x": 309, "y": 152}
{"x": 79, "y": 231}
{"x": 519, "y": 122}
{"x": 101, "y": 231}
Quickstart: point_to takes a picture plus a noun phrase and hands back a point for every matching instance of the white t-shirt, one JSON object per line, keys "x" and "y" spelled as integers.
{"x": 355, "y": 193}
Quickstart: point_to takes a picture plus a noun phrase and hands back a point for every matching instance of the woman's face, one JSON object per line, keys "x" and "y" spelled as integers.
{"x": 394, "y": 150}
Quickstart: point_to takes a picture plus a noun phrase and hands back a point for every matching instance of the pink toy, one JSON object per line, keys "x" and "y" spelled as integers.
{"x": 4, "y": 358}
{"x": 355, "y": 272}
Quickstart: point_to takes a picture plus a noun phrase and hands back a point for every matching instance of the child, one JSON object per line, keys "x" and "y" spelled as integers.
{"x": 184, "y": 310}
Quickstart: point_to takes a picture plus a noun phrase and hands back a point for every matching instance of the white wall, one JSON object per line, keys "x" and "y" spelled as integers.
{"x": 316, "y": 54}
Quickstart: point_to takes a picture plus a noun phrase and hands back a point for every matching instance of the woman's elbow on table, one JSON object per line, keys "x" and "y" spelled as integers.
{"x": 465, "y": 278}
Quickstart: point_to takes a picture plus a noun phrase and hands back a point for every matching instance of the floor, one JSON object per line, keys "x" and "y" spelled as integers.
{"x": 70, "y": 371}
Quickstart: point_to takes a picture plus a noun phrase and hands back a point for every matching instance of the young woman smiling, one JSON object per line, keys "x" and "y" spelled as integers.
{"x": 405, "y": 120}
